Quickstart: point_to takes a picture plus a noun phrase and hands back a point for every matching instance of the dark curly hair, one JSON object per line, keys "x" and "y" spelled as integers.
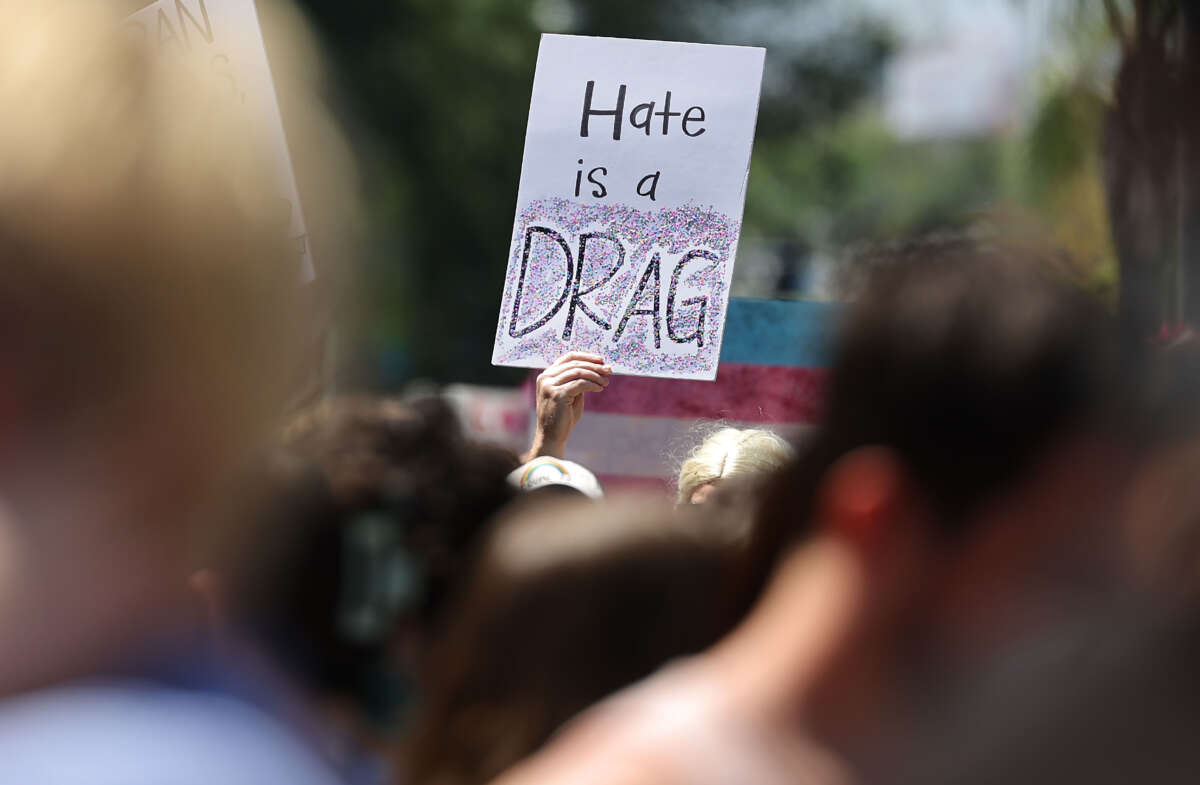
{"x": 376, "y": 506}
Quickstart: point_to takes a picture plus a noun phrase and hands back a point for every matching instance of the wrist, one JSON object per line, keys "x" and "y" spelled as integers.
{"x": 553, "y": 448}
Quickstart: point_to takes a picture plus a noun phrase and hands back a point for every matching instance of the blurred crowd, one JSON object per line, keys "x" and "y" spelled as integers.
{"x": 981, "y": 565}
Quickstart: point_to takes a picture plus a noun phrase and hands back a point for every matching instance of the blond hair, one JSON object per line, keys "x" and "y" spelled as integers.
{"x": 730, "y": 453}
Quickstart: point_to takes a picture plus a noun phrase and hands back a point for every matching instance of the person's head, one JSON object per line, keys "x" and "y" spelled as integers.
{"x": 969, "y": 444}
{"x": 146, "y": 322}
{"x": 548, "y": 477}
{"x": 570, "y": 602}
{"x": 375, "y": 506}
{"x": 728, "y": 454}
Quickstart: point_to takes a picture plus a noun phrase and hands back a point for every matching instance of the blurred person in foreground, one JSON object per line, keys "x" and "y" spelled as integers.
{"x": 373, "y": 509}
{"x": 571, "y": 601}
{"x": 966, "y": 460}
{"x": 147, "y": 315}
{"x": 726, "y": 454}
{"x": 1119, "y": 702}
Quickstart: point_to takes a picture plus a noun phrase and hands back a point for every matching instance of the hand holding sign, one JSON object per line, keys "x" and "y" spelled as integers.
{"x": 560, "y": 392}
{"x": 630, "y": 204}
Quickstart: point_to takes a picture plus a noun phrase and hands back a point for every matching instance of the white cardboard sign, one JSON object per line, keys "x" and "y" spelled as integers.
{"x": 226, "y": 36}
{"x": 630, "y": 205}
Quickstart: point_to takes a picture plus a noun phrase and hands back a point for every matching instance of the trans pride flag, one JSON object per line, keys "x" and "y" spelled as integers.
{"x": 771, "y": 375}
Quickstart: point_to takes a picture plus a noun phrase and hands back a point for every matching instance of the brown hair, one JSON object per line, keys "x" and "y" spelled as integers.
{"x": 569, "y": 604}
{"x": 376, "y": 507}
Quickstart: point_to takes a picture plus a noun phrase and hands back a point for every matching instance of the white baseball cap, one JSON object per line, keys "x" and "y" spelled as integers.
{"x": 546, "y": 471}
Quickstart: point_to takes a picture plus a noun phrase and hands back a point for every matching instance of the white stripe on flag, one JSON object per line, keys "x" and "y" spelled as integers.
{"x": 627, "y": 445}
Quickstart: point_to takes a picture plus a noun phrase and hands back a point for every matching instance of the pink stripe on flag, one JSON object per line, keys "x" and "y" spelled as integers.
{"x": 746, "y": 393}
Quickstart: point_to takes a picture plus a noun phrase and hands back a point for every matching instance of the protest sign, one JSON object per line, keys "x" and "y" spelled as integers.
{"x": 225, "y": 36}
{"x": 630, "y": 204}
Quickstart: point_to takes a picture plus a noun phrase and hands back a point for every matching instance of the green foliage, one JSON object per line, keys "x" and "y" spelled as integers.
{"x": 853, "y": 180}
{"x": 442, "y": 89}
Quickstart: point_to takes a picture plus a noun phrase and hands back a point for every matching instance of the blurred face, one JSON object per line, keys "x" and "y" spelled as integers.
{"x": 1035, "y": 558}
{"x": 97, "y": 521}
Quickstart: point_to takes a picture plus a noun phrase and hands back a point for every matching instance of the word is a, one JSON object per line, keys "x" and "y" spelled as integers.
{"x": 647, "y": 186}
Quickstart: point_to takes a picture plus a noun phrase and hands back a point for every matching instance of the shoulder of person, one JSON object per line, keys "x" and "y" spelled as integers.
{"x": 679, "y": 727}
{"x": 638, "y": 736}
{"x": 132, "y": 732}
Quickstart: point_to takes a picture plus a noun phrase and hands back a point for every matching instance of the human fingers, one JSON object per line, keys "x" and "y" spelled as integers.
{"x": 575, "y": 374}
{"x": 572, "y": 389}
{"x": 585, "y": 356}
{"x": 602, "y": 370}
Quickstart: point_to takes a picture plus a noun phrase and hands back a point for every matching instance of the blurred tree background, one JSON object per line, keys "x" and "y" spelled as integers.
{"x": 844, "y": 153}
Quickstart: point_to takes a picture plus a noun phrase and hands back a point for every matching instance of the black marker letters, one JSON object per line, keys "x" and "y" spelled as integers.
{"x": 644, "y": 123}
{"x": 513, "y": 331}
{"x": 666, "y": 114}
{"x": 616, "y": 114}
{"x": 646, "y": 299}
{"x": 631, "y": 310}
{"x": 648, "y": 185}
{"x": 603, "y": 192}
{"x": 577, "y": 293}
{"x": 640, "y": 117}
{"x": 600, "y": 191}
{"x": 698, "y": 334}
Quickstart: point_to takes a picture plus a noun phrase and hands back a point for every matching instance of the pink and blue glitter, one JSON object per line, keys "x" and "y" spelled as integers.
{"x": 546, "y": 242}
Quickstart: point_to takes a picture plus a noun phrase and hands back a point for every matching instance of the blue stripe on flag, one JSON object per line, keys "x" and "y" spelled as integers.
{"x": 779, "y": 332}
